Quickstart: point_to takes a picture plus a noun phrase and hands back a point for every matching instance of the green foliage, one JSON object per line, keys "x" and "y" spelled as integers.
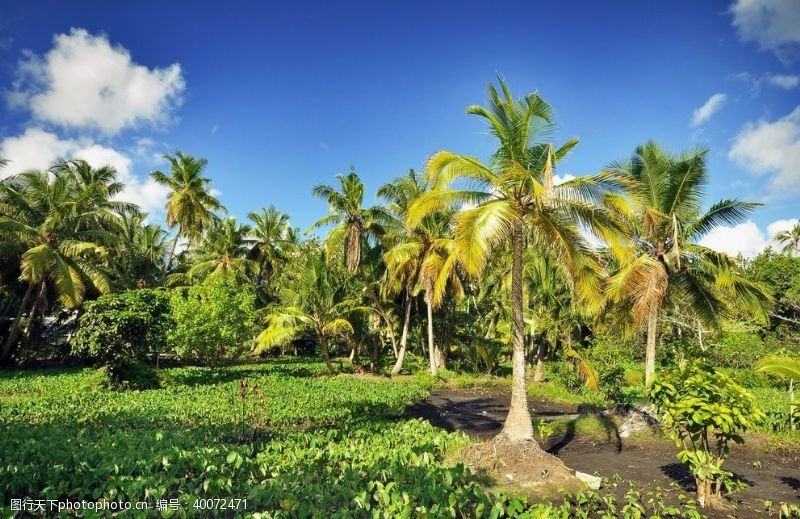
{"x": 213, "y": 320}
{"x": 185, "y": 441}
{"x": 119, "y": 330}
{"x": 704, "y": 411}
{"x": 737, "y": 349}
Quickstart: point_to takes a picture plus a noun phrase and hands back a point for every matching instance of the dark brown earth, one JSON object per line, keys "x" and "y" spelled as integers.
{"x": 648, "y": 460}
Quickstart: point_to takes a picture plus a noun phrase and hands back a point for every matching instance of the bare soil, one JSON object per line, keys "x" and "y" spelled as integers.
{"x": 648, "y": 459}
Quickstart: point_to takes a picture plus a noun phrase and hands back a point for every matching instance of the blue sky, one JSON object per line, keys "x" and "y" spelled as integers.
{"x": 279, "y": 98}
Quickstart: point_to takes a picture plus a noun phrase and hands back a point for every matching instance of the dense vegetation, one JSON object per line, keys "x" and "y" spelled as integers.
{"x": 491, "y": 267}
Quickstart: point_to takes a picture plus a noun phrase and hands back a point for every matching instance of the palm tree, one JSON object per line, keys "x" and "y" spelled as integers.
{"x": 786, "y": 368}
{"x": 225, "y": 248}
{"x": 404, "y": 257}
{"x": 790, "y": 239}
{"x": 665, "y": 193}
{"x": 425, "y": 260}
{"x": 273, "y": 239}
{"x": 191, "y": 204}
{"x": 141, "y": 250}
{"x": 516, "y": 202}
{"x": 58, "y": 248}
{"x": 318, "y": 302}
{"x": 352, "y": 222}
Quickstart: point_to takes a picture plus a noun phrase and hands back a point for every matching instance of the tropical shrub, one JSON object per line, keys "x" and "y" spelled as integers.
{"x": 213, "y": 320}
{"x": 704, "y": 410}
{"x": 737, "y": 349}
{"x": 119, "y": 330}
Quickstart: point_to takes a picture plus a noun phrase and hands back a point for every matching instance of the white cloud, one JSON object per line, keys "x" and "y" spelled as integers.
{"x": 558, "y": 179}
{"x": 772, "y": 24}
{"x": 745, "y": 238}
{"x": 34, "y": 149}
{"x": 708, "y": 109}
{"x": 147, "y": 194}
{"x": 779, "y": 226}
{"x": 85, "y": 82}
{"x": 786, "y": 81}
{"x": 38, "y": 149}
{"x": 771, "y": 148}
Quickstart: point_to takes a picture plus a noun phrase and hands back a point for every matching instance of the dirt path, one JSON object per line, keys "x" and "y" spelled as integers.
{"x": 650, "y": 462}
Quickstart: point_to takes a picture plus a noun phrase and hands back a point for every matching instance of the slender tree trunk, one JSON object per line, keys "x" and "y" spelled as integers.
{"x": 703, "y": 491}
{"x": 401, "y": 354}
{"x": 791, "y": 406}
{"x": 13, "y": 332}
{"x": 323, "y": 344}
{"x": 518, "y": 425}
{"x": 541, "y": 353}
{"x": 171, "y": 256}
{"x": 392, "y": 338}
{"x": 431, "y": 348}
{"x": 650, "y": 354}
{"x": 352, "y": 253}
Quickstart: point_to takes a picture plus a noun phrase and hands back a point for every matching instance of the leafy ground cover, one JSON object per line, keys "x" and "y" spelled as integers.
{"x": 292, "y": 443}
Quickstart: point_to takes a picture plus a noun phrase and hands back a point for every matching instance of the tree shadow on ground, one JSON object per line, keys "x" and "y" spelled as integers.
{"x": 608, "y": 424}
{"x": 791, "y": 482}
{"x": 680, "y": 474}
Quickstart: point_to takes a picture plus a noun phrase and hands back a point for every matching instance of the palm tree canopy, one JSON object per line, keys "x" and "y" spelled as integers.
{"x": 191, "y": 204}
{"x": 351, "y": 221}
{"x": 55, "y": 234}
{"x": 665, "y": 194}
{"x": 790, "y": 239}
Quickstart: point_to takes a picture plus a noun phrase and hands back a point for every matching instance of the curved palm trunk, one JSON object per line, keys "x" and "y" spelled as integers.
{"x": 352, "y": 253}
{"x": 518, "y": 425}
{"x": 13, "y": 333}
{"x": 171, "y": 256}
{"x": 431, "y": 348}
{"x": 650, "y": 354}
{"x": 401, "y": 355}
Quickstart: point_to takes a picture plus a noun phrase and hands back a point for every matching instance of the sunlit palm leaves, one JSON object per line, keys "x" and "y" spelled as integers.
{"x": 191, "y": 203}
{"x": 666, "y": 193}
{"x": 352, "y": 222}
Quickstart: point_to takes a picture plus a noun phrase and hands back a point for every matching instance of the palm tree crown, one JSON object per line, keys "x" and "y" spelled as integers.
{"x": 191, "y": 204}
{"x": 351, "y": 220}
{"x": 515, "y": 200}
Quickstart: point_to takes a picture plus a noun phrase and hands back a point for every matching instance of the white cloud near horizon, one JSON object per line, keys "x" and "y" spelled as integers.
{"x": 709, "y": 108}
{"x": 745, "y": 238}
{"x": 772, "y": 24}
{"x": 38, "y": 149}
{"x": 84, "y": 82}
{"x": 771, "y": 148}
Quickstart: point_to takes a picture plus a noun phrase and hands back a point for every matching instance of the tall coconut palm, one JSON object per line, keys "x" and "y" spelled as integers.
{"x": 425, "y": 260}
{"x": 58, "y": 249}
{"x": 273, "y": 239}
{"x": 403, "y": 257}
{"x": 352, "y": 221}
{"x": 517, "y": 201}
{"x": 790, "y": 239}
{"x": 317, "y": 302}
{"x": 225, "y": 248}
{"x": 191, "y": 204}
{"x": 666, "y": 220}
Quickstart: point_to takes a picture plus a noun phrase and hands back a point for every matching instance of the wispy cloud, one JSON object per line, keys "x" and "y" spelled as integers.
{"x": 709, "y": 108}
